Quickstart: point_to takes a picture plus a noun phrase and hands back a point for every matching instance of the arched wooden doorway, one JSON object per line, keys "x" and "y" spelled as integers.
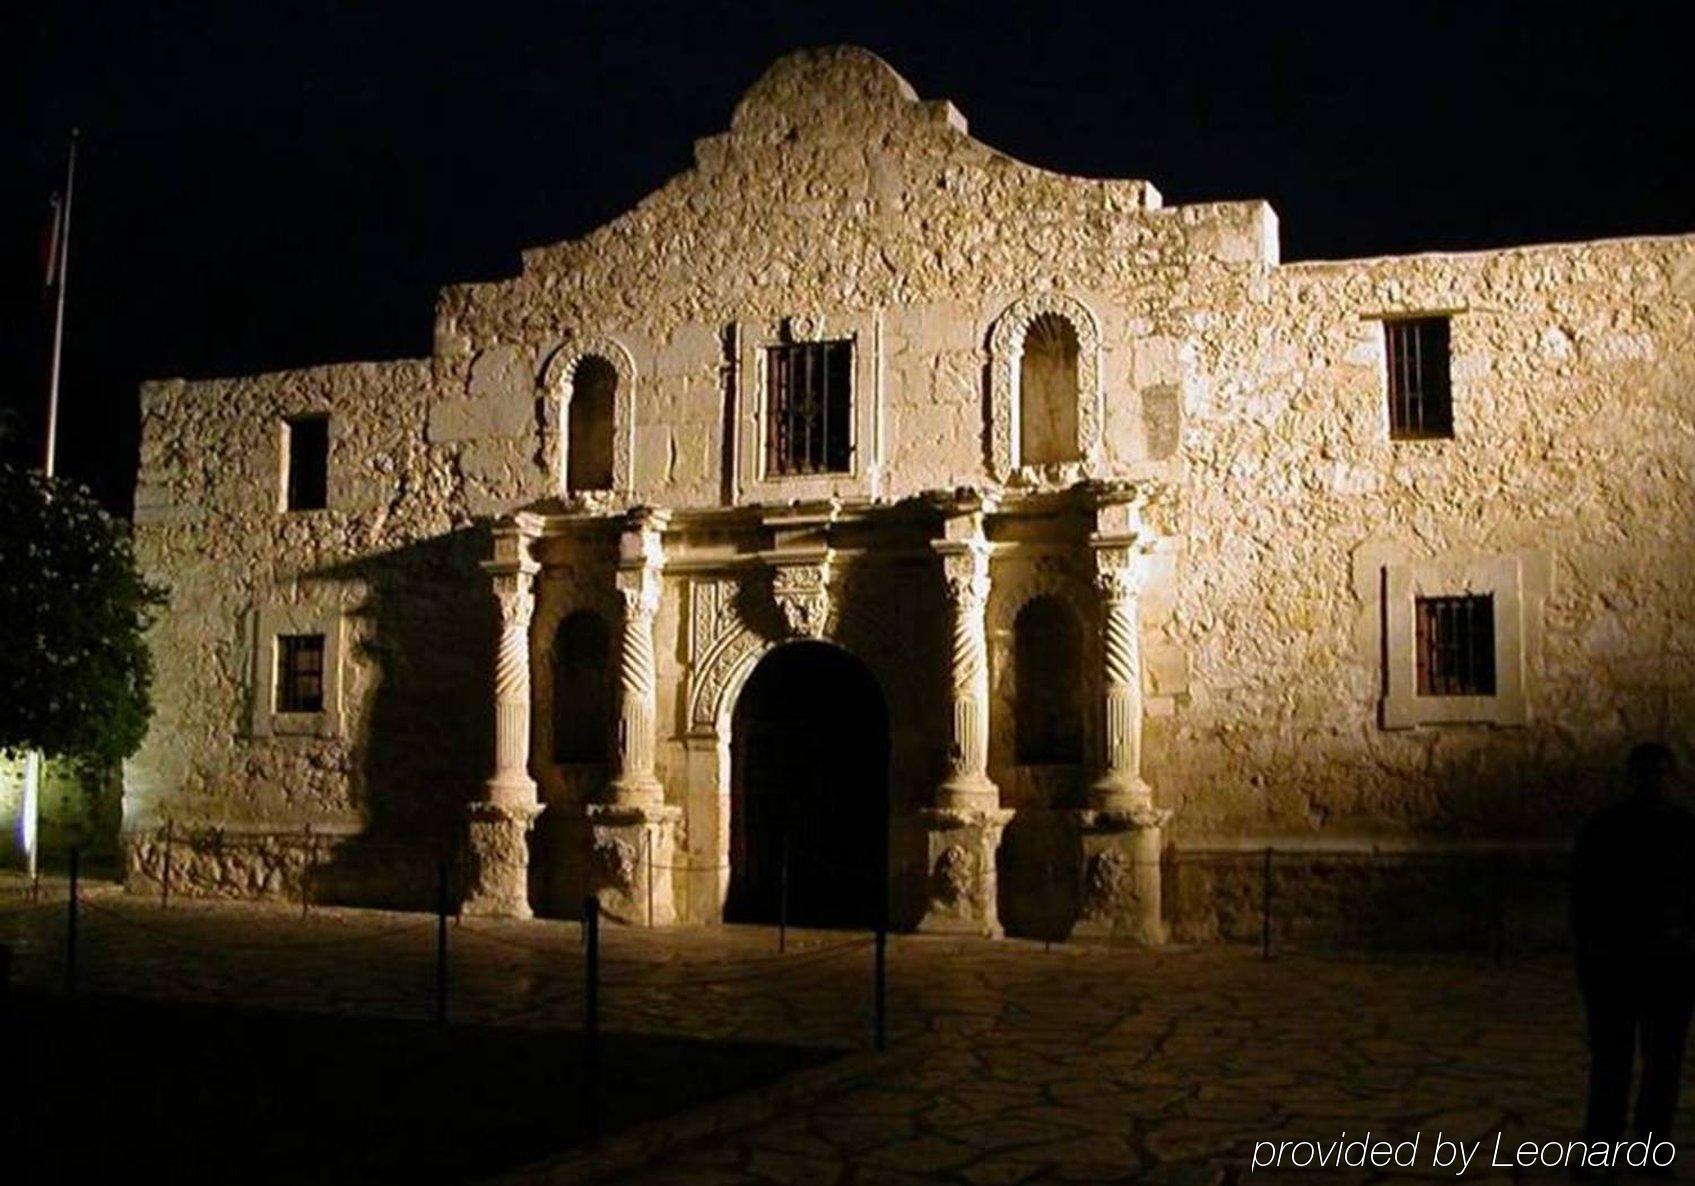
{"x": 809, "y": 769}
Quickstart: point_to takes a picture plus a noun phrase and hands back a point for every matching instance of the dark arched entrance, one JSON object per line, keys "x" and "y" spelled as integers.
{"x": 809, "y": 767}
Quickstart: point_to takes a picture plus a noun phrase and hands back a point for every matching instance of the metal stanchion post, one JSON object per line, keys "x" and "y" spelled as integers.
{"x": 441, "y": 943}
{"x": 1265, "y": 907}
{"x": 647, "y": 848}
{"x": 591, "y": 1018}
{"x": 71, "y": 930}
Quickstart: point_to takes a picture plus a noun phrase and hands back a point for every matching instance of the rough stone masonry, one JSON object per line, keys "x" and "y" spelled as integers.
{"x": 1156, "y": 551}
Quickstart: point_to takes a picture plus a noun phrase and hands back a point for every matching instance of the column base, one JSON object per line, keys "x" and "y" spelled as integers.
{"x": 1120, "y": 890}
{"x": 968, "y": 792}
{"x": 959, "y": 870}
{"x": 1113, "y": 794}
{"x": 647, "y": 794}
{"x": 497, "y": 860}
{"x": 632, "y": 851}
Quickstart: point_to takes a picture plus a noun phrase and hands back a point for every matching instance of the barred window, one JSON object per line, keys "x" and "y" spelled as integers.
{"x": 300, "y": 673}
{"x": 810, "y": 390}
{"x": 1456, "y": 645}
{"x": 306, "y": 443}
{"x": 1420, "y": 400}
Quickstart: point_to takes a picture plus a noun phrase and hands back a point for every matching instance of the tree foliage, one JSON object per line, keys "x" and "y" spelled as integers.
{"x": 75, "y": 673}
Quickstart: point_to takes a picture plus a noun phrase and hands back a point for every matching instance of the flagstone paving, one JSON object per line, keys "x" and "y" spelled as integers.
{"x": 1009, "y": 1062}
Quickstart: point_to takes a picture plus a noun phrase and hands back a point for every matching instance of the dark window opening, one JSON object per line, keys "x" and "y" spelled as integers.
{"x": 308, "y": 446}
{"x": 1420, "y": 399}
{"x": 1456, "y": 646}
{"x": 300, "y": 673}
{"x": 810, "y": 389}
{"x": 588, "y": 425}
{"x": 582, "y": 689}
{"x": 1047, "y": 669}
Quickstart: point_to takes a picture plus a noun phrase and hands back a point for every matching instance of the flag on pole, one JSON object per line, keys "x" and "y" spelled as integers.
{"x": 50, "y": 245}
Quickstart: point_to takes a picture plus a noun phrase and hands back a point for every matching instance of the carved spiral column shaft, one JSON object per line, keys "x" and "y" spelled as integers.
{"x": 966, "y": 570}
{"x": 510, "y": 780}
{"x": 1120, "y": 782}
{"x": 638, "y": 679}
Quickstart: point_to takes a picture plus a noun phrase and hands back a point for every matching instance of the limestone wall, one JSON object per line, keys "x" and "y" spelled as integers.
{"x": 375, "y": 569}
{"x": 1573, "y": 453}
{"x": 839, "y": 204}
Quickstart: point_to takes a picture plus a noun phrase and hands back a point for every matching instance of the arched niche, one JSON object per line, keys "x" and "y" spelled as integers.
{"x": 593, "y": 382}
{"x": 584, "y": 689}
{"x": 1047, "y": 683}
{"x": 1060, "y": 328}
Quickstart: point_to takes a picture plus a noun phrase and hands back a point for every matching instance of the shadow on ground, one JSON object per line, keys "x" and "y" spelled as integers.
{"x": 121, "y": 1090}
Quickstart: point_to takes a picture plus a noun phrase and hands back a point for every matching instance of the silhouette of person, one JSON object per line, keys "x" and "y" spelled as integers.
{"x": 1633, "y": 914}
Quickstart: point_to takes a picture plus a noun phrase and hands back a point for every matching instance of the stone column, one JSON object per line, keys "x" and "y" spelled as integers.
{"x": 965, "y": 575}
{"x": 1119, "y": 828}
{"x": 498, "y": 824}
{"x": 1119, "y": 786}
{"x": 638, "y": 689}
{"x": 632, "y": 833}
{"x": 962, "y": 827}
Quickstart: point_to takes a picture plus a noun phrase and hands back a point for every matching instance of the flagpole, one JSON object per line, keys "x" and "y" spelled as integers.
{"x": 49, "y": 456}
{"x": 61, "y": 274}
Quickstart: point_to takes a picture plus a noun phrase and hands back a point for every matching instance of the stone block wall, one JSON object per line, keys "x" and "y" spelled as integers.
{"x": 1250, "y": 391}
{"x": 1572, "y": 457}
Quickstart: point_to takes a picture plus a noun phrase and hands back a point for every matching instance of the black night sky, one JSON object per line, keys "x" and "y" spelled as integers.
{"x": 274, "y": 185}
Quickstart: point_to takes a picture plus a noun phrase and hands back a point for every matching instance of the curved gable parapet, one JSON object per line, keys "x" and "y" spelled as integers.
{"x": 830, "y": 87}
{"x": 825, "y": 138}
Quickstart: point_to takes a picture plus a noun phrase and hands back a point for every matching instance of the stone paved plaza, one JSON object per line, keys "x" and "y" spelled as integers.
{"x": 1008, "y": 1062}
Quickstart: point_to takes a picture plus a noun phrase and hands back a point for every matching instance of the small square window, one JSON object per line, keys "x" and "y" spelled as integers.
{"x": 809, "y": 393}
{"x": 306, "y": 454}
{"x": 1420, "y": 399}
{"x": 300, "y": 673}
{"x": 1455, "y": 645}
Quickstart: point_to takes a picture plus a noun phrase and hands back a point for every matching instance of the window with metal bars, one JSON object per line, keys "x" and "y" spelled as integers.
{"x": 1456, "y": 645}
{"x": 809, "y": 395}
{"x": 300, "y": 673}
{"x": 307, "y": 440}
{"x": 1421, "y": 405}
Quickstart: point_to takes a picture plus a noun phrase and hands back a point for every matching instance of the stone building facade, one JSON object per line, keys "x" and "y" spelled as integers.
{"x": 873, "y": 518}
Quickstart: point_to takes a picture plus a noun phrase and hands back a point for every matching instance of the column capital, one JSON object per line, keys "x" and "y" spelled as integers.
{"x": 642, "y": 541}
{"x": 639, "y": 588}
{"x": 510, "y": 540}
{"x": 1120, "y": 563}
{"x": 965, "y": 576}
